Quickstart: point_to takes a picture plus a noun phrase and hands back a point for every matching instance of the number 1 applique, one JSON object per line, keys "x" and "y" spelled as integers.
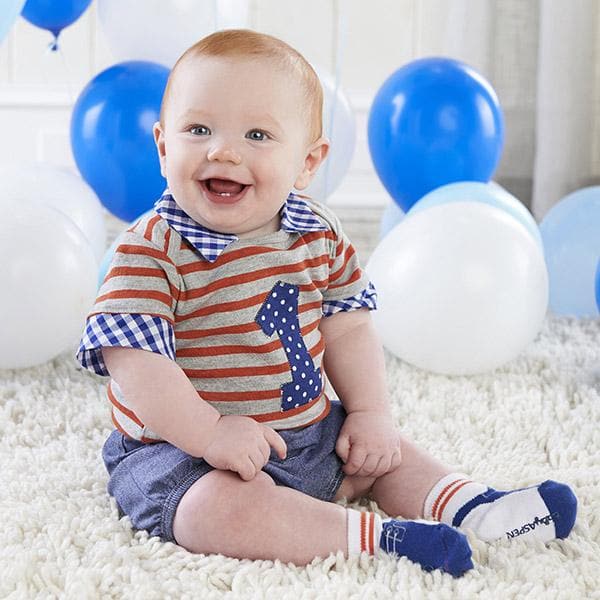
{"x": 279, "y": 315}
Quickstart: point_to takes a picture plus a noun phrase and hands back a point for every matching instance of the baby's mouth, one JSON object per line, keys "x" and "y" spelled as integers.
{"x": 223, "y": 190}
{"x": 224, "y": 187}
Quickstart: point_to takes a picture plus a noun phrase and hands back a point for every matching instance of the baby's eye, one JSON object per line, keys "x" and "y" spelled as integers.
{"x": 257, "y": 135}
{"x": 199, "y": 130}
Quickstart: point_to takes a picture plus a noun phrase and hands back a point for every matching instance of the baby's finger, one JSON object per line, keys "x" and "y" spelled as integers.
{"x": 396, "y": 460}
{"x": 246, "y": 469}
{"x": 355, "y": 461}
{"x": 383, "y": 466}
{"x": 369, "y": 466}
{"x": 258, "y": 460}
{"x": 265, "y": 450}
{"x": 276, "y": 441}
{"x": 342, "y": 447}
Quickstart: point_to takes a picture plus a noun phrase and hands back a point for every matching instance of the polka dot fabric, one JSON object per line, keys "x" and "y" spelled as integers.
{"x": 279, "y": 315}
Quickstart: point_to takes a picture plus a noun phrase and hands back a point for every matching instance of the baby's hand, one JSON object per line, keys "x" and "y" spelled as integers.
{"x": 369, "y": 444}
{"x": 242, "y": 445}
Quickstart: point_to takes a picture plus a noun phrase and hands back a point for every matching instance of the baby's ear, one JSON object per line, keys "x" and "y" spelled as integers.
{"x": 315, "y": 156}
{"x": 159, "y": 140}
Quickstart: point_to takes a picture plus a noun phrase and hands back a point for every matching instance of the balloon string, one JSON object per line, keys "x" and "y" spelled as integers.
{"x": 340, "y": 37}
{"x": 68, "y": 73}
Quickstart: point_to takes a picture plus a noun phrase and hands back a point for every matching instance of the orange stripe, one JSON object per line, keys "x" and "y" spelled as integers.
{"x": 229, "y": 256}
{"x": 273, "y": 394}
{"x": 279, "y": 415}
{"x": 123, "y": 409}
{"x": 143, "y": 251}
{"x": 441, "y": 495}
{"x": 355, "y": 276}
{"x": 136, "y": 271}
{"x": 257, "y": 275}
{"x": 249, "y": 371}
{"x": 143, "y": 294}
{"x": 371, "y": 533}
{"x": 240, "y": 348}
{"x": 363, "y": 532}
{"x": 193, "y": 334}
{"x": 196, "y": 266}
{"x": 150, "y": 227}
{"x": 117, "y": 424}
{"x": 237, "y": 305}
{"x": 448, "y": 498}
{"x": 350, "y": 252}
{"x": 143, "y": 272}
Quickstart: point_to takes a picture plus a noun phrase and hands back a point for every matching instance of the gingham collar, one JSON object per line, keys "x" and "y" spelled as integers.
{"x": 296, "y": 217}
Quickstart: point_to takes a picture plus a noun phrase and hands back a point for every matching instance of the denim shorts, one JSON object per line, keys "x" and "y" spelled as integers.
{"x": 148, "y": 480}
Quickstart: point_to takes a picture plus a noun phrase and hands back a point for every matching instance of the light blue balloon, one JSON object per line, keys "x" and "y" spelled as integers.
{"x": 598, "y": 285}
{"x": 392, "y": 215}
{"x": 106, "y": 260}
{"x": 110, "y": 252}
{"x": 487, "y": 193}
{"x": 9, "y": 12}
{"x": 571, "y": 235}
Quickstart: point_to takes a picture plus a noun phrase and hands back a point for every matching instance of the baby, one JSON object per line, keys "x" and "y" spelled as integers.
{"x": 223, "y": 314}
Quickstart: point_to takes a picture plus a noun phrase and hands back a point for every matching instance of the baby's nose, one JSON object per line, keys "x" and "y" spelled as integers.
{"x": 224, "y": 153}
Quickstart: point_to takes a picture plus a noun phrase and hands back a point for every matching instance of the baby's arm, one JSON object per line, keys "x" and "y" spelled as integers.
{"x": 354, "y": 363}
{"x": 167, "y": 402}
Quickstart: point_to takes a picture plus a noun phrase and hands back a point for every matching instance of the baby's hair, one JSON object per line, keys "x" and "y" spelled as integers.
{"x": 245, "y": 43}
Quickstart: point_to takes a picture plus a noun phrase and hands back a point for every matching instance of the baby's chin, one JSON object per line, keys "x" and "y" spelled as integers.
{"x": 267, "y": 229}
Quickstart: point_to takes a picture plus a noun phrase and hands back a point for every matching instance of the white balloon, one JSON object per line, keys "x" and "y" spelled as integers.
{"x": 339, "y": 125}
{"x": 161, "y": 31}
{"x": 48, "y": 274}
{"x": 462, "y": 288}
{"x": 59, "y": 188}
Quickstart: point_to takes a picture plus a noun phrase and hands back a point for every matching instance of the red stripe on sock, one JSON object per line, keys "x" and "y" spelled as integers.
{"x": 441, "y": 496}
{"x": 363, "y": 531}
{"x": 371, "y": 533}
{"x": 448, "y": 497}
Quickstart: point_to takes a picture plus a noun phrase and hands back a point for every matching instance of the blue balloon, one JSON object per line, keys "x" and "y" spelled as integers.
{"x": 571, "y": 235}
{"x": 8, "y": 15}
{"x": 392, "y": 215}
{"x": 487, "y": 193}
{"x": 598, "y": 286}
{"x": 54, "y": 15}
{"x": 434, "y": 121}
{"x": 112, "y": 140}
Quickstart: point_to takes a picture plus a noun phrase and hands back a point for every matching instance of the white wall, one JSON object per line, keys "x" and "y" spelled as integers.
{"x": 38, "y": 87}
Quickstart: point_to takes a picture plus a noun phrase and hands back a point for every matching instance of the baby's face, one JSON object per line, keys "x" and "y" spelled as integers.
{"x": 235, "y": 143}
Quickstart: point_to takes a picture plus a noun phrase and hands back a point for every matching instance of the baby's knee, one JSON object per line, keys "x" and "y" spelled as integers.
{"x": 215, "y": 501}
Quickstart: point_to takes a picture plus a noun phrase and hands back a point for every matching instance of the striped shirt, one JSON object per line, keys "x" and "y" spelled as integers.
{"x": 239, "y": 316}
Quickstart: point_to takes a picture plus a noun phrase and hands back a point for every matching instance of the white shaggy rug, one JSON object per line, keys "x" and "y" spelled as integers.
{"x": 539, "y": 417}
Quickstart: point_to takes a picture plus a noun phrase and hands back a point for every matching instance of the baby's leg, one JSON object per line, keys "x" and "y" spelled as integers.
{"x": 222, "y": 514}
{"x": 256, "y": 519}
{"x": 422, "y": 486}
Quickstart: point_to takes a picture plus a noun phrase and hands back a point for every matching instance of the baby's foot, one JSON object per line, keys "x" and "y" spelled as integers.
{"x": 433, "y": 546}
{"x": 543, "y": 512}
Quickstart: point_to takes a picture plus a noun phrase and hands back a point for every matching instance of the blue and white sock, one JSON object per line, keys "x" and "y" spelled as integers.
{"x": 542, "y": 512}
{"x": 433, "y": 546}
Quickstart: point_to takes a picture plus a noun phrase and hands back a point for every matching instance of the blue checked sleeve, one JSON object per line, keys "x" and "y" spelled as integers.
{"x": 145, "y": 332}
{"x": 365, "y": 299}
